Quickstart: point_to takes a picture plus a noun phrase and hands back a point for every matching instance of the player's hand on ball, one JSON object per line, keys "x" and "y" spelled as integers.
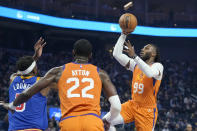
{"x": 126, "y": 32}
{"x": 130, "y": 49}
{"x": 106, "y": 124}
{"x": 6, "y": 106}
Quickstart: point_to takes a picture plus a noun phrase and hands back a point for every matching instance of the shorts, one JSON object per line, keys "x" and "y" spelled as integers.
{"x": 82, "y": 123}
{"x": 144, "y": 117}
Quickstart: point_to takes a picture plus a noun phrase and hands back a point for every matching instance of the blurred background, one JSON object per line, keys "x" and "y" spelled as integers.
{"x": 177, "y": 96}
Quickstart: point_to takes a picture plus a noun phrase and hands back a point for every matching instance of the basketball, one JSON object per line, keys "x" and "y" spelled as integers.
{"x": 128, "y": 22}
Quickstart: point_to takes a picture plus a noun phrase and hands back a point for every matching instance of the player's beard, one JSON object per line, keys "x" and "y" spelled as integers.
{"x": 146, "y": 56}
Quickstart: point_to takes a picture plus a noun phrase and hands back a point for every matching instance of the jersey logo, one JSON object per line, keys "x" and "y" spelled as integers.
{"x": 140, "y": 76}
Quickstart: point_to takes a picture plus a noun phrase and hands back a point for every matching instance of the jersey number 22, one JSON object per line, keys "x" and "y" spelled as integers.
{"x": 83, "y": 91}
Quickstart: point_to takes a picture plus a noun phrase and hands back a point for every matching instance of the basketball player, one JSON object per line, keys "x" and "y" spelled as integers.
{"x": 147, "y": 75}
{"x": 79, "y": 84}
{"x": 31, "y": 115}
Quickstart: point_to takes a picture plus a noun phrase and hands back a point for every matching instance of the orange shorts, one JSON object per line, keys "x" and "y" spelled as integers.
{"x": 82, "y": 123}
{"x": 144, "y": 118}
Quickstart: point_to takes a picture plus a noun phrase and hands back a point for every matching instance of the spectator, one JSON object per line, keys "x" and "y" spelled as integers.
{"x": 188, "y": 127}
{"x": 170, "y": 114}
{"x": 165, "y": 128}
{"x": 177, "y": 128}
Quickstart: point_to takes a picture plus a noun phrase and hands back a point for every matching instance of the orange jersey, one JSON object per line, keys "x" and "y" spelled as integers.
{"x": 144, "y": 89}
{"x": 79, "y": 90}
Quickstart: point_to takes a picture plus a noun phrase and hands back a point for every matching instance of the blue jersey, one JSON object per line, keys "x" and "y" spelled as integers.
{"x": 29, "y": 115}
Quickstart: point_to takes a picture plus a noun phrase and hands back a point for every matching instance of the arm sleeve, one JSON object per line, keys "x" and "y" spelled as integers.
{"x": 155, "y": 71}
{"x": 114, "y": 109}
{"x": 119, "y": 56}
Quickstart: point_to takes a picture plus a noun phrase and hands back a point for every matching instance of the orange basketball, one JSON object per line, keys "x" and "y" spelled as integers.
{"x": 128, "y": 22}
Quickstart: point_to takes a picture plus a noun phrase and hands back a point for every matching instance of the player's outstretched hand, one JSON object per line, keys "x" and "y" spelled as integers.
{"x": 106, "y": 124}
{"x": 126, "y": 32}
{"x": 129, "y": 49}
{"x": 6, "y": 106}
{"x": 38, "y": 47}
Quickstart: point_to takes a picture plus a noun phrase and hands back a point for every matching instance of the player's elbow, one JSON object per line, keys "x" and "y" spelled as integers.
{"x": 115, "y": 54}
{"x": 117, "y": 58}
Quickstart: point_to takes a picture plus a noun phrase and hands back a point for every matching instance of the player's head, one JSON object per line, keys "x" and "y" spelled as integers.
{"x": 27, "y": 65}
{"x": 150, "y": 51}
{"x": 82, "y": 48}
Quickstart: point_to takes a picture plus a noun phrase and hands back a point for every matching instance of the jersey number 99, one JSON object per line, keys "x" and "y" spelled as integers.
{"x": 138, "y": 88}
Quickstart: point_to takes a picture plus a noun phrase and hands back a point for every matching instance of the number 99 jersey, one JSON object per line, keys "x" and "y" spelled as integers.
{"x": 79, "y": 90}
{"x": 144, "y": 89}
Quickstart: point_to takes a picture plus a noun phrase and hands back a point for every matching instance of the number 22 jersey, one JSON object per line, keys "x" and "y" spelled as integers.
{"x": 79, "y": 90}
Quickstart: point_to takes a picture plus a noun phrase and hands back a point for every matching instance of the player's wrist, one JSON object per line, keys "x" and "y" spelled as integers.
{"x": 123, "y": 35}
{"x": 11, "y": 106}
{"x": 35, "y": 57}
{"x": 134, "y": 56}
{"x": 106, "y": 120}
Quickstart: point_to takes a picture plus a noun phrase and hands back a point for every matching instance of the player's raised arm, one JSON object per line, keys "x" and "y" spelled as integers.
{"x": 38, "y": 48}
{"x": 110, "y": 92}
{"x": 156, "y": 70}
{"x": 52, "y": 76}
{"x": 123, "y": 59}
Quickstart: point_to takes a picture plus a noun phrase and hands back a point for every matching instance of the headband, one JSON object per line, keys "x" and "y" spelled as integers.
{"x": 28, "y": 70}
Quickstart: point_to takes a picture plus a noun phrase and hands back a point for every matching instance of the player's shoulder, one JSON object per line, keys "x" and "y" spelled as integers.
{"x": 158, "y": 65}
{"x": 93, "y": 67}
{"x": 55, "y": 70}
{"x": 13, "y": 77}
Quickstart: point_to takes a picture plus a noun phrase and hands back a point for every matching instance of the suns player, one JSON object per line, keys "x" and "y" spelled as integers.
{"x": 79, "y": 84}
{"x": 31, "y": 115}
{"x": 147, "y": 76}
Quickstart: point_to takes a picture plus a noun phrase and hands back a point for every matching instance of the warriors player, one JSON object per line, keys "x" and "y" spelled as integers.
{"x": 31, "y": 115}
{"x": 147, "y": 75}
{"x": 79, "y": 84}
